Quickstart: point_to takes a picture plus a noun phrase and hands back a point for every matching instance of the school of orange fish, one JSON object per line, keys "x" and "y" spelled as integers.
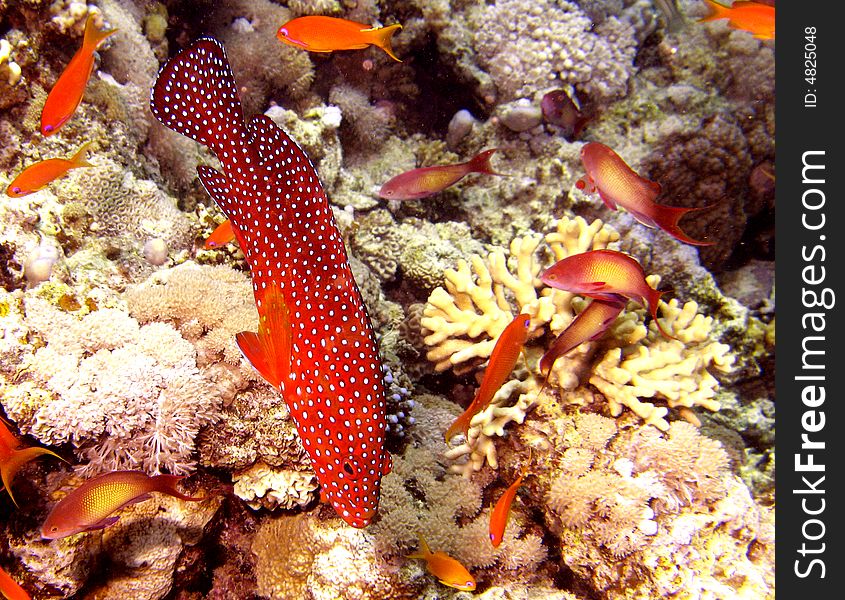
{"x": 271, "y": 195}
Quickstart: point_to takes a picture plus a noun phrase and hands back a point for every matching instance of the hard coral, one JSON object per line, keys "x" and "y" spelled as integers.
{"x": 643, "y": 496}
{"x": 549, "y": 43}
{"x": 467, "y": 316}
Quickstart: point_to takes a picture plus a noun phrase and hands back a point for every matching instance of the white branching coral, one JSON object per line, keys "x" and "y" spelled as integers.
{"x": 125, "y": 396}
{"x": 633, "y": 361}
{"x": 675, "y": 370}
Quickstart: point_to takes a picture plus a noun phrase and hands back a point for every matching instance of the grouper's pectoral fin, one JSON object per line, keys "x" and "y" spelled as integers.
{"x": 269, "y": 350}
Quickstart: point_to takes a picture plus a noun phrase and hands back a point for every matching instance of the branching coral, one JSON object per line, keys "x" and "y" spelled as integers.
{"x": 466, "y": 317}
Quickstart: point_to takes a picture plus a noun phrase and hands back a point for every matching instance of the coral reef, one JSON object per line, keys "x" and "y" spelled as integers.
{"x": 117, "y": 330}
{"x": 664, "y": 502}
{"x": 465, "y": 318}
{"x": 103, "y": 374}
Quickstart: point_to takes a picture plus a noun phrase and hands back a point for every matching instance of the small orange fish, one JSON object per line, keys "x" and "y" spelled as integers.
{"x": 617, "y": 183}
{"x": 427, "y": 181}
{"x": 447, "y": 570}
{"x": 502, "y": 509}
{"x": 327, "y": 34}
{"x": 11, "y": 589}
{"x": 89, "y": 507}
{"x": 37, "y": 176}
{"x": 603, "y": 274}
{"x": 222, "y": 235}
{"x": 590, "y": 324}
{"x": 67, "y": 93}
{"x": 753, "y": 17}
{"x": 13, "y": 457}
{"x": 502, "y": 361}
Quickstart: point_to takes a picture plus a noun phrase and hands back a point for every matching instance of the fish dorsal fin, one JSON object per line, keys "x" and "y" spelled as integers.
{"x": 269, "y": 350}
{"x": 217, "y": 186}
{"x": 271, "y": 143}
{"x": 274, "y": 147}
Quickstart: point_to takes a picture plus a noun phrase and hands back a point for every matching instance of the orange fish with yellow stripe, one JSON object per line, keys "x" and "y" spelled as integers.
{"x": 449, "y": 571}
{"x": 754, "y": 17}
{"x": 13, "y": 456}
{"x": 502, "y": 361}
{"x": 90, "y": 506}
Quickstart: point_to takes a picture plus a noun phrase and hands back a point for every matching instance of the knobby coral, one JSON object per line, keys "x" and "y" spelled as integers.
{"x": 633, "y": 361}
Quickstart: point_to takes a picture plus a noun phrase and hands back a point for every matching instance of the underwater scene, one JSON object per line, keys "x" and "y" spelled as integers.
{"x": 377, "y": 299}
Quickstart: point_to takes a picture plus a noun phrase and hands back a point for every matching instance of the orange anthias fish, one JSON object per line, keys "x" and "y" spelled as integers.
{"x": 37, "y": 176}
{"x": 502, "y": 510}
{"x": 327, "y": 34}
{"x": 222, "y": 235}
{"x": 603, "y": 274}
{"x": 11, "y": 589}
{"x": 447, "y": 569}
{"x": 754, "y": 17}
{"x": 67, "y": 93}
{"x": 618, "y": 184}
{"x": 13, "y": 457}
{"x": 590, "y": 324}
{"x": 502, "y": 361}
{"x": 315, "y": 343}
{"x": 427, "y": 181}
{"x": 90, "y": 506}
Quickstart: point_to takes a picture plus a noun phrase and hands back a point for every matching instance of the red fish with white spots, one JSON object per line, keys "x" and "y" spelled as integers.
{"x": 315, "y": 342}
{"x": 605, "y": 275}
{"x": 427, "y": 181}
{"x": 618, "y": 184}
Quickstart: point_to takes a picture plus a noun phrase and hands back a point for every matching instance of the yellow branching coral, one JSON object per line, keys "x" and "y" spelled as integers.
{"x": 674, "y": 370}
{"x": 632, "y": 362}
{"x": 467, "y": 317}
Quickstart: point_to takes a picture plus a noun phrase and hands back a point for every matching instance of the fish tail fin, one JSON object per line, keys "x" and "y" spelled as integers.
{"x": 481, "y": 163}
{"x": 667, "y": 218}
{"x": 382, "y": 38}
{"x": 195, "y": 95}
{"x": 424, "y": 551}
{"x": 460, "y": 425}
{"x": 94, "y": 37}
{"x": 717, "y": 11}
{"x": 269, "y": 349}
{"x": 653, "y": 302}
{"x": 80, "y": 159}
{"x": 166, "y": 484}
{"x": 16, "y": 460}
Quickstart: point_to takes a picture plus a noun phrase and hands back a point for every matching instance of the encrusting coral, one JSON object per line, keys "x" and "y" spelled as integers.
{"x": 466, "y": 317}
{"x": 664, "y": 505}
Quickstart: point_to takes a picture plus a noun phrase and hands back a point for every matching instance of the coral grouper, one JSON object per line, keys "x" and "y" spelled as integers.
{"x": 315, "y": 342}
